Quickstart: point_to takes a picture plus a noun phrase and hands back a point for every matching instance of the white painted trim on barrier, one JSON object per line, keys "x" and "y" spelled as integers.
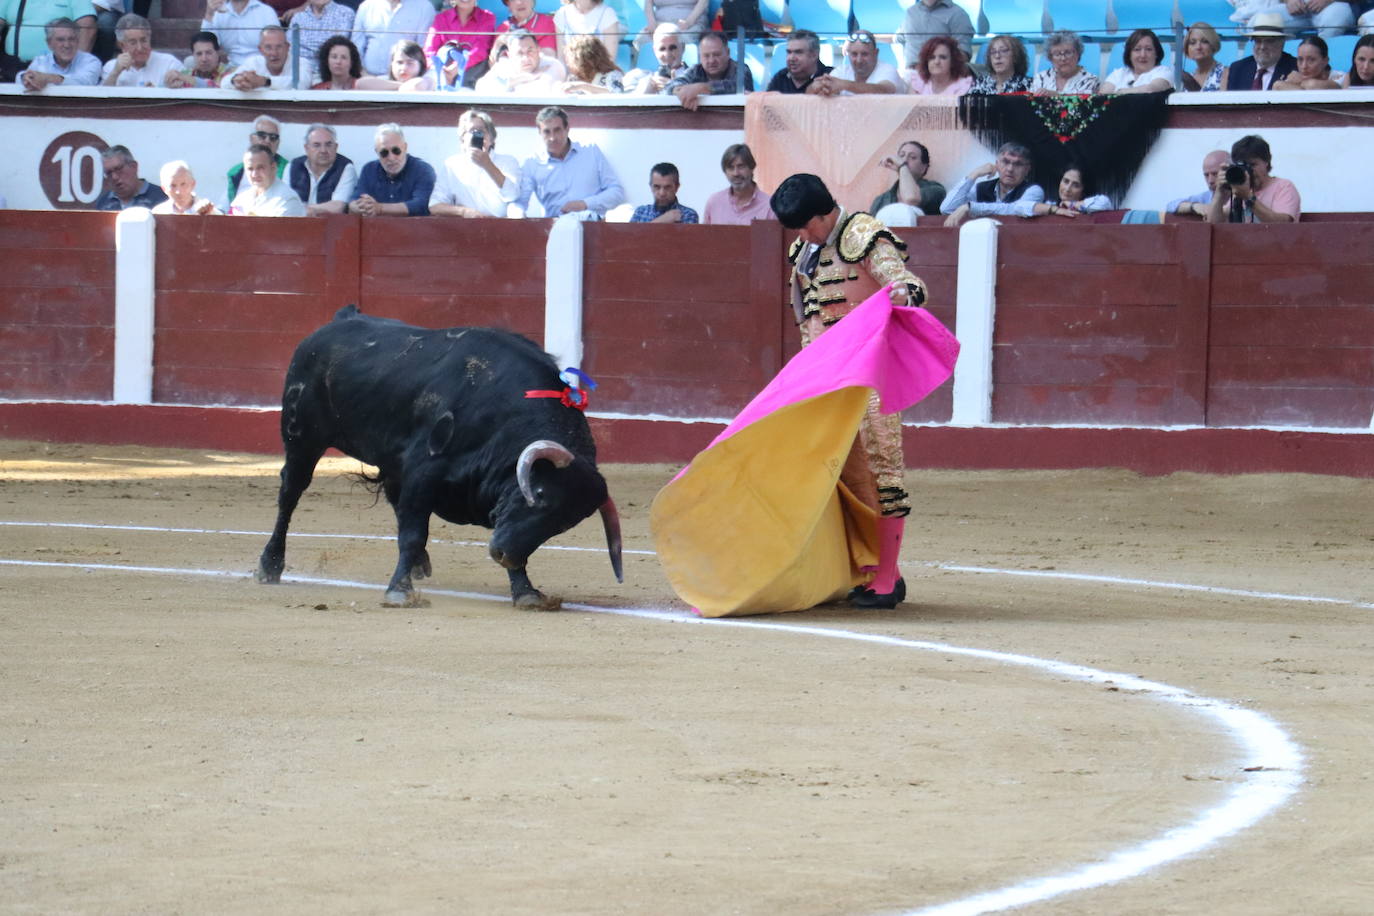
{"x": 563, "y": 291}
{"x": 976, "y": 303}
{"x": 134, "y": 304}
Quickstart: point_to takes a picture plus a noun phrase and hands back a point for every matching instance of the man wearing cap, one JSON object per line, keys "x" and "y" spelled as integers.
{"x": 838, "y": 260}
{"x": 1269, "y": 62}
{"x": 860, "y": 73}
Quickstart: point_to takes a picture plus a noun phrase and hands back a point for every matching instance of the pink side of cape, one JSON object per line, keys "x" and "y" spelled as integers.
{"x": 902, "y": 353}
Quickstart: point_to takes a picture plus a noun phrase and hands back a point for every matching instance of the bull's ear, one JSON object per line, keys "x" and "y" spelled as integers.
{"x": 440, "y": 435}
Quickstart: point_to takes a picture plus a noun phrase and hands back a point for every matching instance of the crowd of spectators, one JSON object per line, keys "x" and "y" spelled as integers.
{"x": 458, "y": 48}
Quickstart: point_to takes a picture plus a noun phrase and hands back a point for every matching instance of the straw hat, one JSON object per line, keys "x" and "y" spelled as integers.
{"x": 1266, "y": 25}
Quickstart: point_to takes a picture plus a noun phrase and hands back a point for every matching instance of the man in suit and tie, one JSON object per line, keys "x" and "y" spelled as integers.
{"x": 1269, "y": 62}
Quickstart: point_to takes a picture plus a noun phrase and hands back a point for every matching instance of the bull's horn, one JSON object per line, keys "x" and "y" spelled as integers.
{"x": 542, "y": 448}
{"x": 611, "y": 519}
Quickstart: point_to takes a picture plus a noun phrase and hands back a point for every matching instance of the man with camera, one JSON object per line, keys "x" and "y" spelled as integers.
{"x": 1248, "y": 193}
{"x": 476, "y": 181}
{"x": 668, "y": 50}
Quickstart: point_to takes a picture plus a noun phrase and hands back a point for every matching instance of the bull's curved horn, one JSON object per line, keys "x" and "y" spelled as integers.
{"x": 610, "y": 518}
{"x": 540, "y": 448}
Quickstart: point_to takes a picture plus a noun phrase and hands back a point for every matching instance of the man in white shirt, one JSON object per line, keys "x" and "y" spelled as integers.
{"x": 476, "y": 181}
{"x": 65, "y": 64}
{"x": 237, "y": 24}
{"x": 268, "y": 68}
{"x": 265, "y": 194}
{"x": 860, "y": 73}
{"x": 137, "y": 64}
{"x": 322, "y": 179}
{"x": 524, "y": 71}
{"x": 381, "y": 23}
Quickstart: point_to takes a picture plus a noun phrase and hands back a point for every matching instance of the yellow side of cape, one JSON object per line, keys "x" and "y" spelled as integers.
{"x": 761, "y": 523}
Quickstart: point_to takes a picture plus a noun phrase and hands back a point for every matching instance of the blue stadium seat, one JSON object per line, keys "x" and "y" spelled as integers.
{"x": 775, "y": 11}
{"x": 1342, "y": 49}
{"x": 882, "y": 17}
{"x": 827, "y": 18}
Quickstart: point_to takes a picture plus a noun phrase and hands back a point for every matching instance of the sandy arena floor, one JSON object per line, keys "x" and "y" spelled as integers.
{"x": 177, "y": 742}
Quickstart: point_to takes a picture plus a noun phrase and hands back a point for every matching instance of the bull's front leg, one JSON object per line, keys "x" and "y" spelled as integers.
{"x": 525, "y": 596}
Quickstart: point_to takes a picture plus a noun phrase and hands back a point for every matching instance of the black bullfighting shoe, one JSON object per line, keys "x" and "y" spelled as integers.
{"x": 866, "y": 597}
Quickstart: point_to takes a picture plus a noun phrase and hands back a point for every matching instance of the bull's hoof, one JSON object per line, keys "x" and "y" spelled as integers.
{"x": 536, "y": 601}
{"x": 396, "y": 598}
{"x": 267, "y": 576}
{"x": 422, "y": 568}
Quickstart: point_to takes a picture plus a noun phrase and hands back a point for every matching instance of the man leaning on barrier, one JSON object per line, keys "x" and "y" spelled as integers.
{"x": 65, "y": 64}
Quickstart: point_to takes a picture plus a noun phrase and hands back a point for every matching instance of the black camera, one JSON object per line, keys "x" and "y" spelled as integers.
{"x": 1237, "y": 173}
{"x": 478, "y": 139}
{"x": 664, "y": 71}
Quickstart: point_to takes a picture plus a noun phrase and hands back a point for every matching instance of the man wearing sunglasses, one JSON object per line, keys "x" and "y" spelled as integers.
{"x": 123, "y": 187}
{"x": 860, "y": 73}
{"x": 668, "y": 46}
{"x": 395, "y": 183}
{"x": 267, "y": 132}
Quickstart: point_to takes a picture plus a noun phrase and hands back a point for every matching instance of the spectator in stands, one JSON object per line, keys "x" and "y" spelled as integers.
{"x": 1269, "y": 62}
{"x": 1202, "y": 46}
{"x": 395, "y": 183}
{"x": 137, "y": 64}
{"x": 668, "y": 53}
{"x": 743, "y": 201}
{"x": 1008, "y": 68}
{"x": 179, "y": 184}
{"x": 1144, "y": 69}
{"x": 476, "y": 181}
{"x": 1001, "y": 188}
{"x": 322, "y": 179}
{"x": 319, "y": 21}
{"x": 526, "y": 71}
{"x": 381, "y": 23}
{"x": 123, "y": 186}
{"x": 206, "y": 69}
{"x": 266, "y": 132}
{"x": 238, "y": 25}
{"x": 588, "y": 17}
{"x": 664, "y": 184}
{"x": 688, "y": 15}
{"x": 1076, "y": 195}
{"x": 1314, "y": 68}
{"x": 25, "y": 40}
{"x": 910, "y": 189}
{"x": 265, "y": 194}
{"x": 1262, "y": 197}
{"x": 268, "y": 69}
{"x": 524, "y": 18}
{"x": 591, "y": 71}
{"x": 1213, "y": 164}
{"x": 107, "y": 13}
{"x": 715, "y": 74}
{"x": 940, "y": 69}
{"x": 65, "y": 64}
{"x": 1330, "y": 18}
{"x": 468, "y": 27}
{"x": 860, "y": 72}
{"x": 1361, "y": 75}
{"x": 339, "y": 64}
{"x": 409, "y": 71}
{"x": 568, "y": 177}
{"x": 1066, "y": 75}
{"x": 929, "y": 18}
{"x": 803, "y": 64}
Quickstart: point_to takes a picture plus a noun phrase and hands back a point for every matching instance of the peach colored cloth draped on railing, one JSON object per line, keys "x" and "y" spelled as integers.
{"x": 844, "y": 140}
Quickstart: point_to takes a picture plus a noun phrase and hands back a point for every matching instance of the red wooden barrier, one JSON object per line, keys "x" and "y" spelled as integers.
{"x": 56, "y": 305}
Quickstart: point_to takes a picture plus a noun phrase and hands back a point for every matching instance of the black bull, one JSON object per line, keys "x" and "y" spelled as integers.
{"x": 442, "y": 415}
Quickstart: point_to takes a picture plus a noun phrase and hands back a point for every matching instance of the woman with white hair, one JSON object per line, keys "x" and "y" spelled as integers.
{"x": 179, "y": 184}
{"x": 1066, "y": 75}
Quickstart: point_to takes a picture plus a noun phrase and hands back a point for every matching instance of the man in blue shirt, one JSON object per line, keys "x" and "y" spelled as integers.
{"x": 568, "y": 177}
{"x": 1213, "y": 164}
{"x": 65, "y": 64}
{"x": 395, "y": 183}
{"x": 663, "y": 182}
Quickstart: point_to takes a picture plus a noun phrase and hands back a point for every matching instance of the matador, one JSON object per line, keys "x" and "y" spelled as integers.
{"x": 839, "y": 260}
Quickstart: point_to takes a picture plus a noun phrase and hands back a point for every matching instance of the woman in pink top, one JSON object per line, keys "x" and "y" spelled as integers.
{"x": 468, "y": 26}
{"x": 941, "y": 69}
